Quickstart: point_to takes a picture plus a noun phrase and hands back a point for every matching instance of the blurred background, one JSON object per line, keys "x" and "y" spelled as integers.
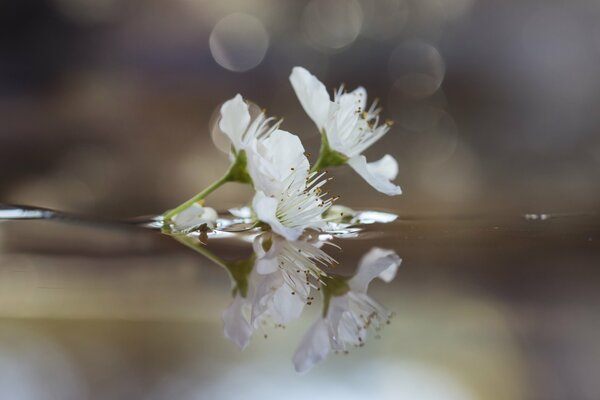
{"x": 107, "y": 107}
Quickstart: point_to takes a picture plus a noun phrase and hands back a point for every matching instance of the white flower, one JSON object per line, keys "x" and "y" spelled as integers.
{"x": 275, "y": 161}
{"x": 288, "y": 197}
{"x": 239, "y": 127}
{"x": 349, "y": 315}
{"x": 279, "y": 286}
{"x": 194, "y": 217}
{"x": 349, "y": 127}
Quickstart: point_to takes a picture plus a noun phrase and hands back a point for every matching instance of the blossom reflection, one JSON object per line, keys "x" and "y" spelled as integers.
{"x": 273, "y": 286}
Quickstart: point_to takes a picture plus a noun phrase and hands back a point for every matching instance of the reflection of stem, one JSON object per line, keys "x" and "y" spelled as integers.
{"x": 195, "y": 245}
{"x": 214, "y": 186}
{"x": 238, "y": 271}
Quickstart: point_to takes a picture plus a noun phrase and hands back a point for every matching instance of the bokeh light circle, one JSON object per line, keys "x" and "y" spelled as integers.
{"x": 239, "y": 42}
{"x": 384, "y": 19}
{"x": 417, "y": 67}
{"x": 332, "y": 24}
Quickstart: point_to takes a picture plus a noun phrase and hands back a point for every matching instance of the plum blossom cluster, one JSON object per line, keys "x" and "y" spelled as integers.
{"x": 291, "y": 213}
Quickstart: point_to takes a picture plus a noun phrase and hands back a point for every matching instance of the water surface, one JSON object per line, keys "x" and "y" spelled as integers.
{"x": 485, "y": 307}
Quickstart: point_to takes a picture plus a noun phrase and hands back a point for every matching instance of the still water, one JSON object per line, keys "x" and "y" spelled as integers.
{"x": 485, "y": 307}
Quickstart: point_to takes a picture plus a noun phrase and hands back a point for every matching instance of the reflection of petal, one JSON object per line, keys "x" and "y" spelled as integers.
{"x": 378, "y": 174}
{"x": 266, "y": 265}
{"x": 350, "y": 329}
{"x": 266, "y": 261}
{"x": 236, "y": 327}
{"x": 314, "y": 346}
{"x": 265, "y": 285}
{"x": 274, "y": 298}
{"x": 312, "y": 95}
{"x": 371, "y": 217}
{"x": 235, "y": 118}
{"x": 286, "y": 306}
{"x": 377, "y": 262}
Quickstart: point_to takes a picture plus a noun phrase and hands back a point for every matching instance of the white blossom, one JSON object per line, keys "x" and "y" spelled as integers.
{"x": 194, "y": 217}
{"x": 349, "y": 127}
{"x": 240, "y": 128}
{"x": 288, "y": 197}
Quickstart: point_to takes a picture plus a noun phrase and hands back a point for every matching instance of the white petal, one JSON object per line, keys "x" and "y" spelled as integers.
{"x": 378, "y": 174}
{"x": 210, "y": 216}
{"x": 235, "y": 118}
{"x": 241, "y": 212}
{"x": 361, "y": 97}
{"x": 194, "y": 216}
{"x": 378, "y": 262}
{"x": 314, "y": 347}
{"x": 236, "y": 326}
{"x": 287, "y": 153}
{"x": 266, "y": 211}
{"x": 353, "y": 101}
{"x": 273, "y": 160}
{"x": 386, "y": 166}
{"x": 312, "y": 95}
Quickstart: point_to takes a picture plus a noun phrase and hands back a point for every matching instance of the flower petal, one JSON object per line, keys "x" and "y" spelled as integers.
{"x": 236, "y": 327}
{"x": 195, "y": 216}
{"x": 314, "y": 347}
{"x": 385, "y": 166}
{"x": 378, "y": 174}
{"x": 354, "y": 101}
{"x": 241, "y": 212}
{"x": 312, "y": 95}
{"x": 273, "y": 160}
{"x": 378, "y": 262}
{"x": 266, "y": 211}
{"x": 235, "y": 118}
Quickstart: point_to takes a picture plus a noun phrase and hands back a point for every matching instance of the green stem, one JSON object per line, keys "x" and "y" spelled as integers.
{"x": 184, "y": 206}
{"x": 327, "y": 156}
{"x": 237, "y": 172}
{"x": 320, "y": 164}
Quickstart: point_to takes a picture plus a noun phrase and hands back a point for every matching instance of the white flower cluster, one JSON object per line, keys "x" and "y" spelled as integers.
{"x": 291, "y": 206}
